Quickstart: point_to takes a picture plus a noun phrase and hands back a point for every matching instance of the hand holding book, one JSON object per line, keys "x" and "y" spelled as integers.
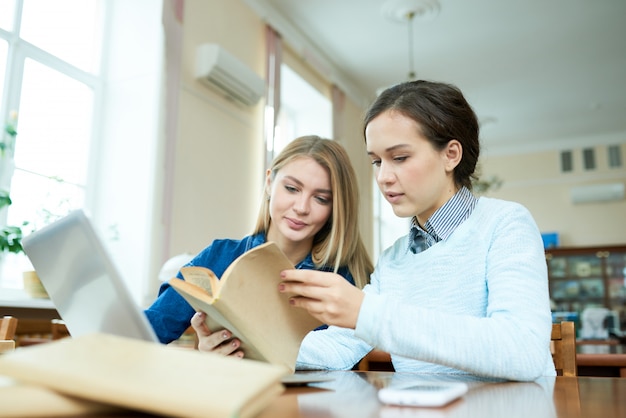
{"x": 246, "y": 302}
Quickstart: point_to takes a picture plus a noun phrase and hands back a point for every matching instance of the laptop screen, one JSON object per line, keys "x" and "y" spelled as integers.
{"x": 82, "y": 281}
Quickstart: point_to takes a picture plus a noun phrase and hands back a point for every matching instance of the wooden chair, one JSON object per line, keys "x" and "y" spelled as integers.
{"x": 8, "y": 325}
{"x": 41, "y": 331}
{"x": 377, "y": 360}
{"x": 59, "y": 329}
{"x": 564, "y": 348}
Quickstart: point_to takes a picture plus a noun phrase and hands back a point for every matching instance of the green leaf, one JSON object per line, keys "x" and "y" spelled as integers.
{"x": 11, "y": 239}
{"x": 5, "y": 200}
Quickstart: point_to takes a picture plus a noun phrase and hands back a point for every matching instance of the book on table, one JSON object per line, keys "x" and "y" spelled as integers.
{"x": 96, "y": 372}
{"x": 246, "y": 301}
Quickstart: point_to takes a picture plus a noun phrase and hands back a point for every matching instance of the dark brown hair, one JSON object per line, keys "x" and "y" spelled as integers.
{"x": 442, "y": 114}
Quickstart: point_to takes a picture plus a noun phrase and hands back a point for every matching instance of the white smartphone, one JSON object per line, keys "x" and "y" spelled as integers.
{"x": 423, "y": 394}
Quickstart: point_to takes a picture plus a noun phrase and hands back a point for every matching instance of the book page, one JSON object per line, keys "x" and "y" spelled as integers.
{"x": 200, "y": 300}
{"x": 202, "y": 277}
{"x": 249, "y": 289}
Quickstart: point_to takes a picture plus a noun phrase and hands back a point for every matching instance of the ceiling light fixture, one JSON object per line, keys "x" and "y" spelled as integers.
{"x": 406, "y": 11}
{"x": 412, "y": 74}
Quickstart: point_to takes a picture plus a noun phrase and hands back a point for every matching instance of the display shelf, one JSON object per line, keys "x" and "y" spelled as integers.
{"x": 582, "y": 277}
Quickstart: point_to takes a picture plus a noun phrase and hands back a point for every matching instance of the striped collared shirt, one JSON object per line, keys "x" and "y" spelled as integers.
{"x": 443, "y": 222}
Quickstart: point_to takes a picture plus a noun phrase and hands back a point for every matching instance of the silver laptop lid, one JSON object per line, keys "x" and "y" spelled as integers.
{"x": 82, "y": 281}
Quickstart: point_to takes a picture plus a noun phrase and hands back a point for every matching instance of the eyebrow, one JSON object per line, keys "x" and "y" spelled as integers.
{"x": 390, "y": 149}
{"x": 295, "y": 180}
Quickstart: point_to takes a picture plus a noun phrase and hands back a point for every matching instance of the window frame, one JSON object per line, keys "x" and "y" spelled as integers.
{"x": 18, "y": 52}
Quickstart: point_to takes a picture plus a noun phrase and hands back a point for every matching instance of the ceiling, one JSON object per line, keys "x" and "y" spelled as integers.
{"x": 540, "y": 74}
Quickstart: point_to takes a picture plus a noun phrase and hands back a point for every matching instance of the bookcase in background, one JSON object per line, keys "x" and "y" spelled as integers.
{"x": 588, "y": 277}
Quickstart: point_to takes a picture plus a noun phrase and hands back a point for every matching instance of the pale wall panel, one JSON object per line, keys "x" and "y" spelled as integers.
{"x": 219, "y": 154}
{"x": 535, "y": 180}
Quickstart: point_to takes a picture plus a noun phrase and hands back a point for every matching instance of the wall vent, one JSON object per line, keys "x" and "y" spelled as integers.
{"x": 567, "y": 164}
{"x": 589, "y": 159}
{"x": 615, "y": 156}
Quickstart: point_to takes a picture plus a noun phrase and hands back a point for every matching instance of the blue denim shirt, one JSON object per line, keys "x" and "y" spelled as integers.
{"x": 170, "y": 314}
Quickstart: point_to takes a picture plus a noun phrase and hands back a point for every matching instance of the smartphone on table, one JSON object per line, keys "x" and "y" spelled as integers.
{"x": 427, "y": 394}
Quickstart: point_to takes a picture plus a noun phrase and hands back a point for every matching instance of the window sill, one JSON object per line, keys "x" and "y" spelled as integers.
{"x": 18, "y": 298}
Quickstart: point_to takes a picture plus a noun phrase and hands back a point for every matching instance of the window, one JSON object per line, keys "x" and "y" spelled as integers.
{"x": 303, "y": 110}
{"x": 99, "y": 109}
{"x": 92, "y": 119}
{"x": 387, "y": 226}
{"x": 49, "y": 63}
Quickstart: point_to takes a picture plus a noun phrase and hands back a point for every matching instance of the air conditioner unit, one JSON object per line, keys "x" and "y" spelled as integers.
{"x": 219, "y": 69}
{"x": 597, "y": 193}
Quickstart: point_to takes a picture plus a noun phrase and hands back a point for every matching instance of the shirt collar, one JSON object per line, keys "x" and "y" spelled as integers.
{"x": 452, "y": 214}
{"x": 444, "y": 221}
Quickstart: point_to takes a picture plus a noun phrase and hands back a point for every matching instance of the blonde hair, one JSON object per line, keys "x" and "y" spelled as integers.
{"x": 339, "y": 242}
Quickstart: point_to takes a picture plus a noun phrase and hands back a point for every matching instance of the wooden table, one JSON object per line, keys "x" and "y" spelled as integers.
{"x": 354, "y": 394}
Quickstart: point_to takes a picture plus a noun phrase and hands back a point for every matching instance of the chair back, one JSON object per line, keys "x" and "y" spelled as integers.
{"x": 8, "y": 325}
{"x": 376, "y": 360}
{"x": 564, "y": 348}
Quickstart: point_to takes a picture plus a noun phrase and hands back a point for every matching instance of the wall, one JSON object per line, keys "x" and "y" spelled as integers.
{"x": 535, "y": 180}
{"x": 218, "y": 164}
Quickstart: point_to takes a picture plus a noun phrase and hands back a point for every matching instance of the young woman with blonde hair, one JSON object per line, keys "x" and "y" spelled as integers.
{"x": 309, "y": 209}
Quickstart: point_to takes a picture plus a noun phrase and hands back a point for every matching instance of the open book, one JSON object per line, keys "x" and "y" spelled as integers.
{"x": 246, "y": 301}
{"x": 98, "y": 372}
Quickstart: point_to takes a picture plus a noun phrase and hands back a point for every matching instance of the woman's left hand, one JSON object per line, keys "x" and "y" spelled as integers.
{"x": 327, "y": 296}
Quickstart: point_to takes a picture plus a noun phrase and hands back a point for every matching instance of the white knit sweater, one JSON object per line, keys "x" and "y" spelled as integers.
{"x": 474, "y": 303}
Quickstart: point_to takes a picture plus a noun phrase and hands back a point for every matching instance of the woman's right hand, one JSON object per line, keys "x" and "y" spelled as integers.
{"x": 218, "y": 342}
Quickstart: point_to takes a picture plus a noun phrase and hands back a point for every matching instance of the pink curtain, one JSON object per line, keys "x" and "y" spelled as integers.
{"x": 274, "y": 48}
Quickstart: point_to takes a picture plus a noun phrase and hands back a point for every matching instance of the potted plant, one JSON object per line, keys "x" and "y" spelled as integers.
{"x": 11, "y": 242}
{"x": 10, "y": 235}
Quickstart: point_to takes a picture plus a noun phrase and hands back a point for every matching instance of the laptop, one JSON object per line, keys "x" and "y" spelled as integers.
{"x": 82, "y": 281}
